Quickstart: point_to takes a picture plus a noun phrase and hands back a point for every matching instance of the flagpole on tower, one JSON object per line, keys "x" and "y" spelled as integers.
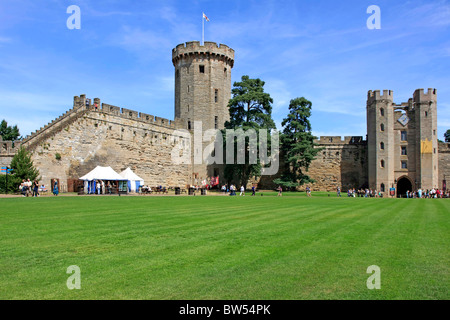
{"x": 203, "y": 29}
{"x": 204, "y": 17}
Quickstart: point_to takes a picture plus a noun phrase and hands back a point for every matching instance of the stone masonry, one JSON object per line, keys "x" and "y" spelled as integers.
{"x": 401, "y": 149}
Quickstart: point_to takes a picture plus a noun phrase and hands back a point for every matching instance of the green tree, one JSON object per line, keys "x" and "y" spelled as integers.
{"x": 250, "y": 108}
{"x": 447, "y": 135}
{"x": 297, "y": 145}
{"x": 8, "y": 133}
{"x": 22, "y": 165}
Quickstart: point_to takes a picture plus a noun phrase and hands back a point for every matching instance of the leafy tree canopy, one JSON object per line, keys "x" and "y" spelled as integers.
{"x": 250, "y": 108}
{"x": 447, "y": 135}
{"x": 297, "y": 144}
{"x": 8, "y": 133}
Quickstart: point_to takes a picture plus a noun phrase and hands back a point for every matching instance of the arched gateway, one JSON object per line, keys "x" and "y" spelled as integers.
{"x": 403, "y": 185}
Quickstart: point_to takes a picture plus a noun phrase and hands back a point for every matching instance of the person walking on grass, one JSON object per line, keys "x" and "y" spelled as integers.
{"x": 280, "y": 190}
{"x": 242, "y": 191}
{"x": 253, "y": 191}
{"x": 308, "y": 192}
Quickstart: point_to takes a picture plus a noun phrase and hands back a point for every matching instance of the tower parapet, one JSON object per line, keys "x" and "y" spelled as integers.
{"x": 210, "y": 49}
{"x": 337, "y": 140}
{"x": 420, "y": 95}
{"x": 376, "y": 96}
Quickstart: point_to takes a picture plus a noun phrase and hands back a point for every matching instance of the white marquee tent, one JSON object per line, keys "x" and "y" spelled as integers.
{"x": 134, "y": 181}
{"x": 100, "y": 173}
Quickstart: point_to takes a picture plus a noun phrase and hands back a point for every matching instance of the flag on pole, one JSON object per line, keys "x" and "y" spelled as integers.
{"x": 205, "y": 17}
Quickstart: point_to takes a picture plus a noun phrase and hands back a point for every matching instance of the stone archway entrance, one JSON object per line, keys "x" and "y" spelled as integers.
{"x": 403, "y": 185}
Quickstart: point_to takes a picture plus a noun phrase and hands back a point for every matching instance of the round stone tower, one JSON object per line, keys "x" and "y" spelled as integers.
{"x": 202, "y": 83}
{"x": 202, "y": 92}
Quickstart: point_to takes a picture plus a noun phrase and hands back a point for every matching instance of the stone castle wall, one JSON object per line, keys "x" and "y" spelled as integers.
{"x": 341, "y": 162}
{"x": 444, "y": 164}
{"x": 121, "y": 138}
{"x": 110, "y": 136}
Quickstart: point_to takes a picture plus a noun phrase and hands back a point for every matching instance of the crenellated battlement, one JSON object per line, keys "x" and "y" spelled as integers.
{"x": 375, "y": 96}
{"x": 8, "y": 148}
{"x": 444, "y": 147}
{"x": 81, "y": 106}
{"x": 420, "y": 95}
{"x": 337, "y": 140}
{"x": 209, "y": 50}
{"x": 138, "y": 116}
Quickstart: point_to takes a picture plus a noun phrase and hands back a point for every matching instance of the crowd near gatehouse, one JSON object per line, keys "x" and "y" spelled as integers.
{"x": 434, "y": 193}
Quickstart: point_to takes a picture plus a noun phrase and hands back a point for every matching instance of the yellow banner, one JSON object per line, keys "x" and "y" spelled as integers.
{"x": 426, "y": 146}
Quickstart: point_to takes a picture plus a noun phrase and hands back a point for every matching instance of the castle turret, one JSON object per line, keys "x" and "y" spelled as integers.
{"x": 380, "y": 139}
{"x": 202, "y": 92}
{"x": 426, "y": 138}
{"x": 202, "y": 83}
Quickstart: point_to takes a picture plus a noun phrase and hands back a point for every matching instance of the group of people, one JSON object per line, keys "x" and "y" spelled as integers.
{"x": 434, "y": 193}
{"x": 104, "y": 188}
{"x": 32, "y": 188}
{"x": 27, "y": 188}
{"x": 232, "y": 190}
{"x": 363, "y": 193}
{"x": 369, "y": 193}
{"x": 148, "y": 189}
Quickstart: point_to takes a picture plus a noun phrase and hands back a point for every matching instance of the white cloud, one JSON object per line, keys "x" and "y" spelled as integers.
{"x": 278, "y": 91}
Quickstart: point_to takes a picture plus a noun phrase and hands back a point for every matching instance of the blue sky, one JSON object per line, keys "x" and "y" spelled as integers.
{"x": 321, "y": 50}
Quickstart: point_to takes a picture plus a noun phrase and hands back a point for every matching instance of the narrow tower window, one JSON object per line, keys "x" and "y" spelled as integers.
{"x": 382, "y": 189}
{"x": 201, "y": 68}
{"x": 382, "y": 163}
{"x": 404, "y": 153}
{"x": 216, "y": 122}
{"x": 216, "y": 95}
{"x": 404, "y": 136}
{"x": 382, "y": 112}
{"x": 382, "y": 145}
{"x": 382, "y": 127}
{"x": 189, "y": 124}
{"x": 404, "y": 165}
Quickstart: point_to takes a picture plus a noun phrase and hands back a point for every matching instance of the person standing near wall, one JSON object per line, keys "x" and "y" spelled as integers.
{"x": 55, "y": 188}
{"x": 35, "y": 188}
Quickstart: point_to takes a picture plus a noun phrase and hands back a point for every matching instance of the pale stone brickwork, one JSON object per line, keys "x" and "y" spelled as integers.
{"x": 202, "y": 90}
{"x": 444, "y": 164}
{"x": 86, "y": 136}
{"x": 340, "y": 163}
{"x": 110, "y": 136}
{"x": 402, "y": 141}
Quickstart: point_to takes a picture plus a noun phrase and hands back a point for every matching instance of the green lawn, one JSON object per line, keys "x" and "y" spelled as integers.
{"x": 211, "y": 247}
